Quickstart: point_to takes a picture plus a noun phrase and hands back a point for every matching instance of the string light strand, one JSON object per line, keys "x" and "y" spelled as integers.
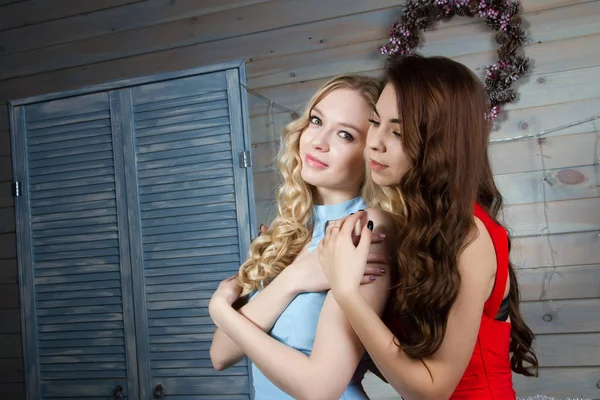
{"x": 597, "y": 161}
{"x": 547, "y": 131}
{"x": 267, "y": 100}
{"x": 543, "y": 180}
{"x": 545, "y": 229}
{"x": 539, "y": 134}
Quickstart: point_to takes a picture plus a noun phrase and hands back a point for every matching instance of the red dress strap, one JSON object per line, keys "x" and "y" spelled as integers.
{"x": 500, "y": 241}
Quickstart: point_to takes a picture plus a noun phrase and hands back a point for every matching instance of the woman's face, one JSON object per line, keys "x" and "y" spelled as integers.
{"x": 385, "y": 152}
{"x": 332, "y": 146}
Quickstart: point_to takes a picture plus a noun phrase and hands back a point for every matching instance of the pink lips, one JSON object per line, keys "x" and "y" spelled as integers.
{"x": 314, "y": 162}
{"x": 375, "y": 166}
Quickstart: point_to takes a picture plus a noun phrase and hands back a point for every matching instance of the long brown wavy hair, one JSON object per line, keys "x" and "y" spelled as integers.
{"x": 442, "y": 108}
{"x": 271, "y": 252}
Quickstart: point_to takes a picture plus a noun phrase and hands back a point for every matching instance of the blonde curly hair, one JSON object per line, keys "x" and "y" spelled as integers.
{"x": 272, "y": 252}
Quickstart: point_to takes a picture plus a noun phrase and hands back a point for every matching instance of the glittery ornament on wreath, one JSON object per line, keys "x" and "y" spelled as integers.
{"x": 499, "y": 15}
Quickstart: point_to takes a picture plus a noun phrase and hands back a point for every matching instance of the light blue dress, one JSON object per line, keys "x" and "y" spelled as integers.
{"x": 297, "y": 325}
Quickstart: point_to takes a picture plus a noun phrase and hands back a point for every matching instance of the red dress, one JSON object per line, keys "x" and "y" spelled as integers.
{"x": 488, "y": 375}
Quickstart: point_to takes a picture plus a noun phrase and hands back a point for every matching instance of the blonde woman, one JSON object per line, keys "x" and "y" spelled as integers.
{"x": 297, "y": 337}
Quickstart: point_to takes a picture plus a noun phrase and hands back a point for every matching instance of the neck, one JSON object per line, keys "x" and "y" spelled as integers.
{"x": 326, "y": 197}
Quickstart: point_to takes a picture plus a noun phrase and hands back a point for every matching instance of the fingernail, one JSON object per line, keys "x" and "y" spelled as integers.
{"x": 381, "y": 235}
{"x": 372, "y": 278}
{"x": 370, "y": 225}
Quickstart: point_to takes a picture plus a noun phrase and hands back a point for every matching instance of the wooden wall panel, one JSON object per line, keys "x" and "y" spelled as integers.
{"x": 377, "y": 389}
{"x": 13, "y": 390}
{"x": 569, "y": 249}
{"x": 265, "y": 185}
{"x": 563, "y": 217}
{"x": 8, "y": 271}
{"x": 368, "y": 26}
{"x": 10, "y": 321}
{"x": 285, "y": 15}
{"x": 11, "y": 370}
{"x": 569, "y": 216}
{"x": 5, "y": 143}
{"x": 576, "y": 52}
{"x": 518, "y": 188}
{"x": 266, "y": 211}
{"x": 9, "y": 296}
{"x": 6, "y": 199}
{"x": 109, "y": 20}
{"x": 559, "y": 87}
{"x": 529, "y": 121}
{"x": 561, "y": 383}
{"x": 3, "y": 117}
{"x": 360, "y": 57}
{"x": 572, "y": 282}
{"x": 452, "y": 41}
{"x": 6, "y": 2}
{"x": 264, "y": 157}
{"x": 5, "y": 167}
{"x": 554, "y": 382}
{"x": 10, "y": 345}
{"x": 290, "y": 49}
{"x": 27, "y": 13}
{"x": 318, "y": 64}
{"x": 567, "y": 86}
{"x": 267, "y": 128}
{"x": 557, "y": 152}
{"x": 8, "y": 246}
{"x": 512, "y": 123}
{"x": 364, "y": 56}
{"x": 559, "y": 184}
{"x": 571, "y": 316}
{"x": 171, "y": 59}
{"x": 509, "y": 157}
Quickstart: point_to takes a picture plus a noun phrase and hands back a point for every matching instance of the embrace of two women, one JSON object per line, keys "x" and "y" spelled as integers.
{"x": 386, "y": 251}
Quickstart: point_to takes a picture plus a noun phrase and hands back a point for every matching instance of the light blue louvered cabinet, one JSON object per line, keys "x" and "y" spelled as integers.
{"x": 134, "y": 204}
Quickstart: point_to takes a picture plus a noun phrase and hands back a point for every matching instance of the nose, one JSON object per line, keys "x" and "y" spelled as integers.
{"x": 320, "y": 140}
{"x": 375, "y": 139}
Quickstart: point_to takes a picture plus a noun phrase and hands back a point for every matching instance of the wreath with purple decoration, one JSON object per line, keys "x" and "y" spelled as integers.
{"x": 499, "y": 15}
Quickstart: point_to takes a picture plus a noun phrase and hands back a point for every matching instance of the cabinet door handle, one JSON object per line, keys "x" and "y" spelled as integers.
{"x": 158, "y": 392}
{"x": 118, "y": 393}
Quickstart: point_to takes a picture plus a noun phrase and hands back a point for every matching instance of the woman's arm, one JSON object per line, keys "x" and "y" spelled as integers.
{"x": 336, "y": 347}
{"x": 303, "y": 275}
{"x": 434, "y": 377}
{"x": 262, "y": 311}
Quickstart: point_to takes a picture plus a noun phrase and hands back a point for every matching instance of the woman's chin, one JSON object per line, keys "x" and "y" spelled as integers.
{"x": 380, "y": 180}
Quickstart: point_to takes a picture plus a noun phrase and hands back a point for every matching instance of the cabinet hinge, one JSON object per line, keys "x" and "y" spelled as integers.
{"x": 245, "y": 159}
{"x": 17, "y": 189}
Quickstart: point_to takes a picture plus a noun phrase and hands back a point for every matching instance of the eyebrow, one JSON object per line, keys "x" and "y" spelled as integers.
{"x": 393, "y": 120}
{"x": 347, "y": 125}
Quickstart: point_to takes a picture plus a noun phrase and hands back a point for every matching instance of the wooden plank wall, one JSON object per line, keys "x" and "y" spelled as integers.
{"x": 291, "y": 47}
{"x": 11, "y": 364}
